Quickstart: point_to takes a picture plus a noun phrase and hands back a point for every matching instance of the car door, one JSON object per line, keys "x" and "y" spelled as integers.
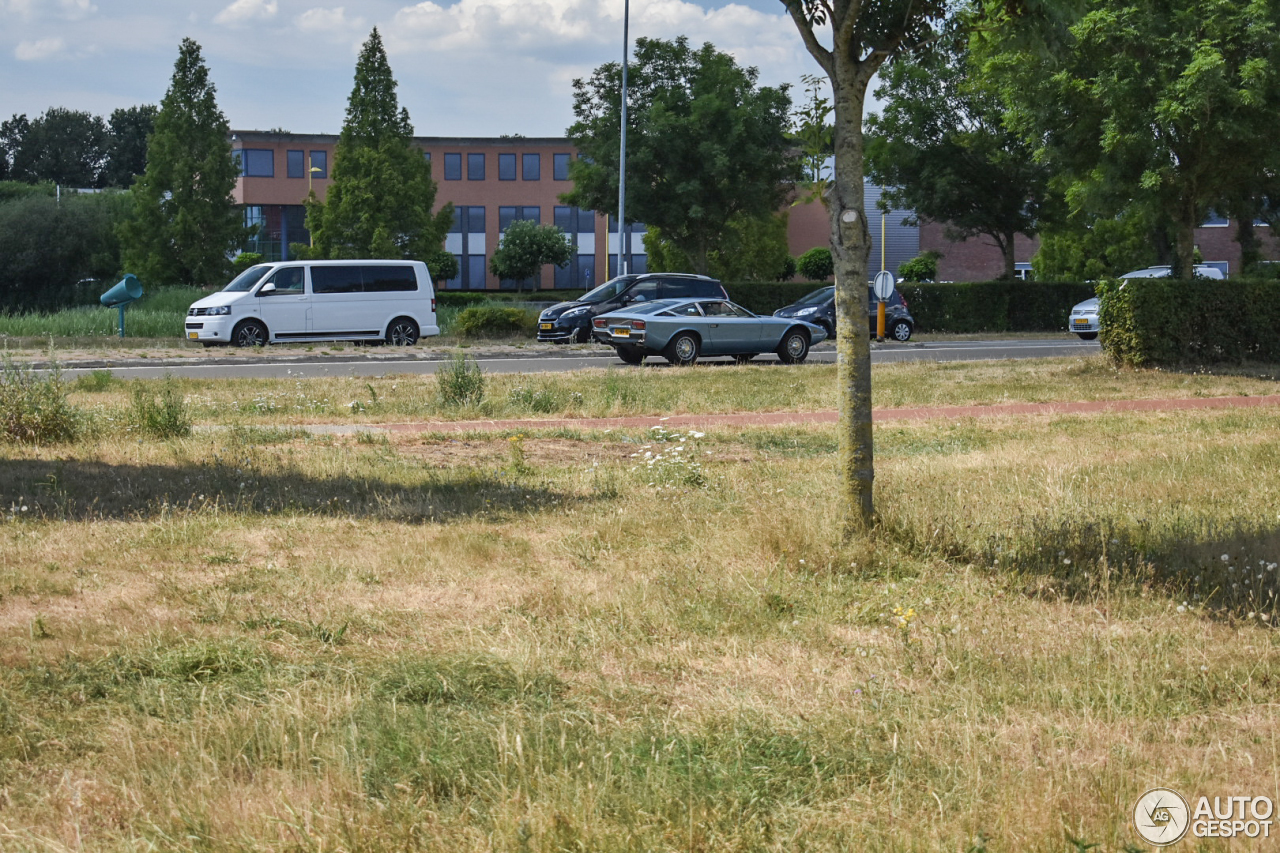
{"x": 286, "y": 307}
{"x": 729, "y": 329}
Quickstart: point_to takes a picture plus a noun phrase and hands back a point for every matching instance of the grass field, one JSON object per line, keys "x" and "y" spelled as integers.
{"x": 262, "y": 640}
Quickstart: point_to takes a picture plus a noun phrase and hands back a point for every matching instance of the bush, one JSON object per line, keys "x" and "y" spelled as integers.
{"x": 816, "y": 264}
{"x": 923, "y": 267}
{"x": 993, "y": 306}
{"x": 33, "y": 405}
{"x": 244, "y": 260}
{"x": 467, "y": 298}
{"x": 167, "y": 417}
{"x": 765, "y": 297}
{"x": 1150, "y": 322}
{"x": 460, "y": 382}
{"x": 485, "y": 321}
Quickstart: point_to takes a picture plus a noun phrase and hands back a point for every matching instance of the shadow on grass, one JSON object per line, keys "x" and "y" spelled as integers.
{"x": 1231, "y": 568}
{"x": 80, "y": 490}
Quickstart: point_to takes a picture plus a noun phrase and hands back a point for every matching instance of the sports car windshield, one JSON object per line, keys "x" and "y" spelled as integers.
{"x": 609, "y": 290}
{"x": 244, "y": 282}
{"x": 818, "y": 296}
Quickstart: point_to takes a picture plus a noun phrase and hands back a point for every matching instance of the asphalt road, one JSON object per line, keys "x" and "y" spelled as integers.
{"x": 380, "y": 363}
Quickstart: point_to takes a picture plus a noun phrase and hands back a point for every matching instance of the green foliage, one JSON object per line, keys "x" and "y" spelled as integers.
{"x": 487, "y": 321}
{"x": 167, "y": 416}
{"x": 765, "y": 297}
{"x": 923, "y": 267}
{"x": 752, "y": 249}
{"x": 47, "y": 247}
{"x": 244, "y": 260}
{"x": 467, "y": 298}
{"x": 66, "y": 147}
{"x": 185, "y": 223}
{"x": 1151, "y": 322}
{"x": 460, "y": 382}
{"x": 704, "y": 144}
{"x": 442, "y": 265}
{"x": 127, "y": 145}
{"x": 816, "y": 264}
{"x": 993, "y": 306}
{"x": 379, "y": 204}
{"x": 1092, "y": 248}
{"x": 526, "y": 247}
{"x": 33, "y": 405}
{"x": 812, "y": 131}
{"x": 942, "y": 149}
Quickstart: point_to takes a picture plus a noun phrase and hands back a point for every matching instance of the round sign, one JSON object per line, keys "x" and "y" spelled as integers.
{"x": 883, "y": 285}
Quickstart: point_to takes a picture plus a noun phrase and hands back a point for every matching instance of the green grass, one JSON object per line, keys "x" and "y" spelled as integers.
{"x": 257, "y": 639}
{"x": 156, "y": 315}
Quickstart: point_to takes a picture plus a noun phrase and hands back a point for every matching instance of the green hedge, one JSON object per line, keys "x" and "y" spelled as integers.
{"x": 464, "y": 298}
{"x": 1150, "y": 322}
{"x": 993, "y": 306}
{"x": 765, "y": 297}
{"x": 487, "y": 321}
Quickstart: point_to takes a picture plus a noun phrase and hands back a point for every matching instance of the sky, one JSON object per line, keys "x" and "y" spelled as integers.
{"x": 464, "y": 67}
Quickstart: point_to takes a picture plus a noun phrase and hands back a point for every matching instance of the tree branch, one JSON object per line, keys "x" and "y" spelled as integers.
{"x": 819, "y": 53}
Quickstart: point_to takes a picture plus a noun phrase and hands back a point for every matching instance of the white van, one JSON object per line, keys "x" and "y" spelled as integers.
{"x": 390, "y": 301}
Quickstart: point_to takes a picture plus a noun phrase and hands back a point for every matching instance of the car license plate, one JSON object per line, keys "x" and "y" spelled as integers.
{"x": 621, "y": 333}
{"x": 544, "y": 325}
{"x": 193, "y": 335}
{"x": 1081, "y": 322}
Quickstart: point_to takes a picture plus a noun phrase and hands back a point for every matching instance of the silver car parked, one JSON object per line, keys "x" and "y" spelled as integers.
{"x": 1084, "y": 316}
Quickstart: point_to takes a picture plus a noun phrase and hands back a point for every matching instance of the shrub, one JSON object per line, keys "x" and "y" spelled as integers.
{"x": 33, "y": 405}
{"x": 993, "y": 306}
{"x": 816, "y": 264}
{"x": 244, "y": 260}
{"x": 923, "y": 267}
{"x": 460, "y": 381}
{"x": 482, "y": 321}
{"x": 765, "y": 297}
{"x": 1162, "y": 321}
{"x": 166, "y": 417}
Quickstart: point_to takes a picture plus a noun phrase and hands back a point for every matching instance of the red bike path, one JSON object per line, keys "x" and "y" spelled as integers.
{"x": 877, "y": 415}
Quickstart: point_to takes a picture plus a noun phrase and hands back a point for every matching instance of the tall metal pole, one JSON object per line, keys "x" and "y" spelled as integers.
{"x": 623, "y": 234}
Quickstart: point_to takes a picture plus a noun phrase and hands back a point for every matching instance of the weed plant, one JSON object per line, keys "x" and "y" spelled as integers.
{"x": 33, "y": 405}
{"x": 165, "y": 416}
{"x": 460, "y": 382}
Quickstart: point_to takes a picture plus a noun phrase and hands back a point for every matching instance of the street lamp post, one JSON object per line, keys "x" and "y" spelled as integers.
{"x": 622, "y": 158}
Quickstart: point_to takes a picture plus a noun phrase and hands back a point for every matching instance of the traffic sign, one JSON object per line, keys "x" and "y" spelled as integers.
{"x": 883, "y": 285}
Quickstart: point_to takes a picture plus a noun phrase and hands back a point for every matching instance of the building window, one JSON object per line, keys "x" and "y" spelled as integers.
{"x": 531, "y": 167}
{"x": 296, "y": 163}
{"x": 507, "y": 215}
{"x": 466, "y": 242}
{"x": 1215, "y": 220}
{"x": 426, "y": 155}
{"x": 475, "y": 167}
{"x": 257, "y": 163}
{"x": 506, "y": 167}
{"x": 253, "y": 218}
{"x": 320, "y": 162}
{"x": 453, "y": 167}
{"x": 560, "y": 166}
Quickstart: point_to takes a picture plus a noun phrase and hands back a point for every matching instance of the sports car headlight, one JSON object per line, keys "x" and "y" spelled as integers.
{"x": 805, "y": 312}
{"x": 221, "y": 309}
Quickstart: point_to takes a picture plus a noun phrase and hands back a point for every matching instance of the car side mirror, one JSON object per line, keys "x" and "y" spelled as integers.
{"x": 269, "y": 287}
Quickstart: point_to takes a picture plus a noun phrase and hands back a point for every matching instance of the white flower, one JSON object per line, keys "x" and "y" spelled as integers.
{"x": 1226, "y": 558}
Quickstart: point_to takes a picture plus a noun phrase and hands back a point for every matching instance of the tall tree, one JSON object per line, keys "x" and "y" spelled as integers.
{"x": 185, "y": 222}
{"x": 12, "y": 132}
{"x": 127, "y": 145}
{"x": 1169, "y": 107}
{"x": 942, "y": 149}
{"x": 751, "y": 249}
{"x": 526, "y": 248}
{"x": 380, "y": 202}
{"x": 66, "y": 147}
{"x": 704, "y": 143}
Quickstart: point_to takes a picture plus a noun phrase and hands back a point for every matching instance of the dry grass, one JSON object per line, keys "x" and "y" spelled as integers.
{"x": 265, "y": 641}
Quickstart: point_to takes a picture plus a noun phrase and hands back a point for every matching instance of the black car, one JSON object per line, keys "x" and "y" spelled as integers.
{"x": 571, "y": 321}
{"x": 819, "y": 308}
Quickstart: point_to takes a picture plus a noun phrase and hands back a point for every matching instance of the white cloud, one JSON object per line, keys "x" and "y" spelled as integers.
{"x": 31, "y": 51}
{"x": 333, "y": 22}
{"x": 75, "y": 9}
{"x": 16, "y": 7}
{"x": 243, "y": 11}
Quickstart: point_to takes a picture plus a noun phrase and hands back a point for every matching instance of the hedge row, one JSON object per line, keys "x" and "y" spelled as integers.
{"x": 1151, "y": 322}
{"x": 993, "y": 306}
{"x": 465, "y": 298}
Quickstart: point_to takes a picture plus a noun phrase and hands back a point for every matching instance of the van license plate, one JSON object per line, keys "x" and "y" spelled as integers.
{"x": 193, "y": 335}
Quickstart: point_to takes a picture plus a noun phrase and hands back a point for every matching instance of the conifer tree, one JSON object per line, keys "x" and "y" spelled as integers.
{"x": 185, "y": 222}
{"x": 380, "y": 202}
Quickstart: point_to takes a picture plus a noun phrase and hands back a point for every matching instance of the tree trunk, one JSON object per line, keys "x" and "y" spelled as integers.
{"x": 1010, "y": 261}
{"x": 1184, "y": 262}
{"x": 1250, "y": 249}
{"x": 850, "y": 245}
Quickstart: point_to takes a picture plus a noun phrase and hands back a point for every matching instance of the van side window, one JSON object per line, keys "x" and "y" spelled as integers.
{"x": 335, "y": 280}
{"x": 287, "y": 281}
{"x": 381, "y": 279}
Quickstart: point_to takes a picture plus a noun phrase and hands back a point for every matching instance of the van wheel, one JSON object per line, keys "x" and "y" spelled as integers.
{"x": 249, "y": 333}
{"x": 402, "y": 332}
{"x": 794, "y": 348}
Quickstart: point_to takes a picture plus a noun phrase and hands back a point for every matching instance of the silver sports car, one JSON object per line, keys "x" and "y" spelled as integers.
{"x": 681, "y": 330}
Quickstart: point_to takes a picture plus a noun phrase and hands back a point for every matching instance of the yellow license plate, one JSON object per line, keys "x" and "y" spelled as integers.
{"x": 193, "y": 335}
{"x": 544, "y": 325}
{"x": 621, "y": 333}
{"x": 1081, "y": 322}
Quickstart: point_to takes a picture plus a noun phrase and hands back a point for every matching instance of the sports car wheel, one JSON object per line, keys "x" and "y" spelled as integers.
{"x": 682, "y": 349}
{"x": 250, "y": 333}
{"x": 402, "y": 332}
{"x": 794, "y": 348}
{"x": 629, "y": 355}
{"x": 900, "y": 330}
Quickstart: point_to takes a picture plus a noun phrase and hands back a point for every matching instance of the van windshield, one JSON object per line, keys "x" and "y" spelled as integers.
{"x": 247, "y": 279}
{"x": 607, "y": 291}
